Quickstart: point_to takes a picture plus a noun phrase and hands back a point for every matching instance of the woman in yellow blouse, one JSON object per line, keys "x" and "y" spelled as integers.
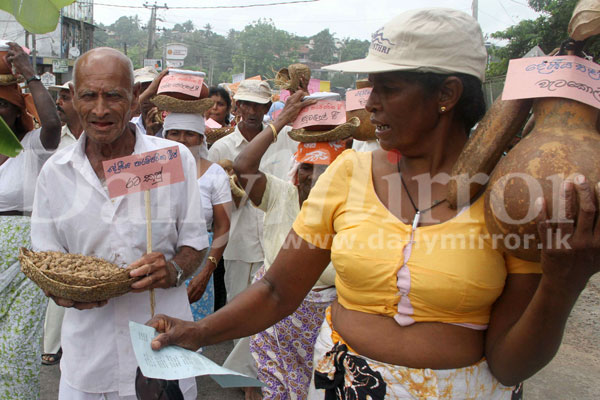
{"x": 427, "y": 306}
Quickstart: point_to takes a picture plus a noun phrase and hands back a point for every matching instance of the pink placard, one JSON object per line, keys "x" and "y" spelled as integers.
{"x": 284, "y": 94}
{"x": 324, "y": 112}
{"x": 314, "y": 85}
{"x": 276, "y": 114}
{"x": 564, "y": 76}
{"x": 357, "y": 99}
{"x": 181, "y": 83}
{"x": 212, "y": 124}
{"x": 139, "y": 172}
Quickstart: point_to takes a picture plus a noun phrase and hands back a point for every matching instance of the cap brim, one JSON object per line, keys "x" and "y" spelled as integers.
{"x": 56, "y": 87}
{"x": 367, "y": 66}
{"x": 251, "y": 99}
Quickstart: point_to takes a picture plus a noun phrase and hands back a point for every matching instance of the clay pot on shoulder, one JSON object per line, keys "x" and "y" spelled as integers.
{"x": 564, "y": 142}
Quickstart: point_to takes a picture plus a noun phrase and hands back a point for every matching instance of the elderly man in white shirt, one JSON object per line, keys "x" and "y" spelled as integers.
{"x": 244, "y": 253}
{"x": 73, "y": 213}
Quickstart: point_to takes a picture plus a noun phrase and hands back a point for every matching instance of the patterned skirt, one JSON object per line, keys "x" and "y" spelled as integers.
{"x": 205, "y": 306}
{"x": 284, "y": 352}
{"x": 342, "y": 374}
{"x": 22, "y": 309}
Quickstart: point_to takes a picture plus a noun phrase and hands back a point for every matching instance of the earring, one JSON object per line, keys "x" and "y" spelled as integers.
{"x": 442, "y": 109}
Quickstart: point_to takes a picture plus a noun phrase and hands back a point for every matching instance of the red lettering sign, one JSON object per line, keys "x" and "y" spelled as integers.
{"x": 357, "y": 99}
{"x": 139, "y": 172}
{"x": 324, "y": 112}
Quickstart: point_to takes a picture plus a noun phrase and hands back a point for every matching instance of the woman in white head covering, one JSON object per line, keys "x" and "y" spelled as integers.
{"x": 188, "y": 129}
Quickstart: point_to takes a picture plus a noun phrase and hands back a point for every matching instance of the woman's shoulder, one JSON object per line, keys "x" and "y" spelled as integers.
{"x": 351, "y": 163}
{"x": 214, "y": 172}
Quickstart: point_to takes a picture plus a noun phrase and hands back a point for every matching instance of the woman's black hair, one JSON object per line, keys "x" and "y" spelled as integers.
{"x": 471, "y": 105}
{"x": 224, "y": 94}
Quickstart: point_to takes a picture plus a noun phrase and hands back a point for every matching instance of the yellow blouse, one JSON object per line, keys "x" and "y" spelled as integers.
{"x": 449, "y": 272}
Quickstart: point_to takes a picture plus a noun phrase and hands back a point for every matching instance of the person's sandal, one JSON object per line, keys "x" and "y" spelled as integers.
{"x": 51, "y": 359}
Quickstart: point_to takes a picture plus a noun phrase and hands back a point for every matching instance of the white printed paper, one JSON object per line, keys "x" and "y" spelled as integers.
{"x": 174, "y": 362}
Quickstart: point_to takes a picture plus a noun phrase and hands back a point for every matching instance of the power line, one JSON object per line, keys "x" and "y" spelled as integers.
{"x": 215, "y": 7}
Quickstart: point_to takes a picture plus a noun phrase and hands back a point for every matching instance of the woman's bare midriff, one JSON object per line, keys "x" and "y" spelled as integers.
{"x": 432, "y": 345}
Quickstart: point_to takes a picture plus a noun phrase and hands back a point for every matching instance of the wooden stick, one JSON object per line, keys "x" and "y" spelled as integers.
{"x": 149, "y": 243}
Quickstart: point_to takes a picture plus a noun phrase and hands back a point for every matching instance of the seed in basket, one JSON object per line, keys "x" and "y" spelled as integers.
{"x": 74, "y": 276}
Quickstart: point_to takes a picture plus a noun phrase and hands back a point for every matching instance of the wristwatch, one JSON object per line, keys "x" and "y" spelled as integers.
{"x": 212, "y": 260}
{"x": 33, "y": 78}
{"x": 179, "y": 271}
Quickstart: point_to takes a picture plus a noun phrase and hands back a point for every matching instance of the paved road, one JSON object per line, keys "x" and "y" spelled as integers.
{"x": 207, "y": 388}
{"x": 573, "y": 374}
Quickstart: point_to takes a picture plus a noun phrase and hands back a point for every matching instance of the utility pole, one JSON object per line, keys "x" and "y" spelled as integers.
{"x": 152, "y": 27}
{"x": 83, "y": 47}
{"x": 475, "y": 9}
{"x": 34, "y": 53}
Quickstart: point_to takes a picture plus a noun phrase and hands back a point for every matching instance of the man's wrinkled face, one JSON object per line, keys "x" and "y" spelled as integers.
{"x": 104, "y": 97}
{"x": 253, "y": 113}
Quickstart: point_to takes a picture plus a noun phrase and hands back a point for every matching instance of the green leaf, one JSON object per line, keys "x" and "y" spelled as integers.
{"x": 9, "y": 144}
{"x": 37, "y": 16}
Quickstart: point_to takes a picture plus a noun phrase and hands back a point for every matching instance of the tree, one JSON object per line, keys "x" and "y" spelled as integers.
{"x": 353, "y": 49}
{"x": 547, "y": 31}
{"x": 264, "y": 49}
{"x": 324, "y": 47}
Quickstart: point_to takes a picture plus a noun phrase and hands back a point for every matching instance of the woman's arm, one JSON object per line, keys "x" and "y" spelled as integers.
{"x": 247, "y": 163}
{"x": 529, "y": 319}
{"x": 197, "y": 286}
{"x": 46, "y": 109}
{"x": 293, "y": 273}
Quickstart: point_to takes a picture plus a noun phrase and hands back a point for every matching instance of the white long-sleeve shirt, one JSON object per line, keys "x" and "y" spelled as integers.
{"x": 246, "y": 232}
{"x": 73, "y": 213}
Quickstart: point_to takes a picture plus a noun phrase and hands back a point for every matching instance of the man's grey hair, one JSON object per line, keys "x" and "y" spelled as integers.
{"x": 129, "y": 67}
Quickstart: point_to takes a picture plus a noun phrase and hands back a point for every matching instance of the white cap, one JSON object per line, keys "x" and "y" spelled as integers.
{"x": 254, "y": 91}
{"x": 144, "y": 75}
{"x": 440, "y": 40}
{"x": 64, "y": 86}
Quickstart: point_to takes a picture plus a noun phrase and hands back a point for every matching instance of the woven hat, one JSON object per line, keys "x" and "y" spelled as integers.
{"x": 171, "y": 104}
{"x": 212, "y": 135}
{"x": 254, "y": 91}
{"x": 289, "y": 78}
{"x": 440, "y": 40}
{"x": 342, "y": 131}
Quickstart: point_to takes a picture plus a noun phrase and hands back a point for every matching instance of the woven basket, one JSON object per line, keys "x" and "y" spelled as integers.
{"x": 289, "y": 78}
{"x": 212, "y": 135}
{"x": 340, "y": 132}
{"x": 171, "y": 104}
{"x": 74, "y": 287}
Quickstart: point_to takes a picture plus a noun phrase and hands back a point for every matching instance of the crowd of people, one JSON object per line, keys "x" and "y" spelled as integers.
{"x": 268, "y": 241}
